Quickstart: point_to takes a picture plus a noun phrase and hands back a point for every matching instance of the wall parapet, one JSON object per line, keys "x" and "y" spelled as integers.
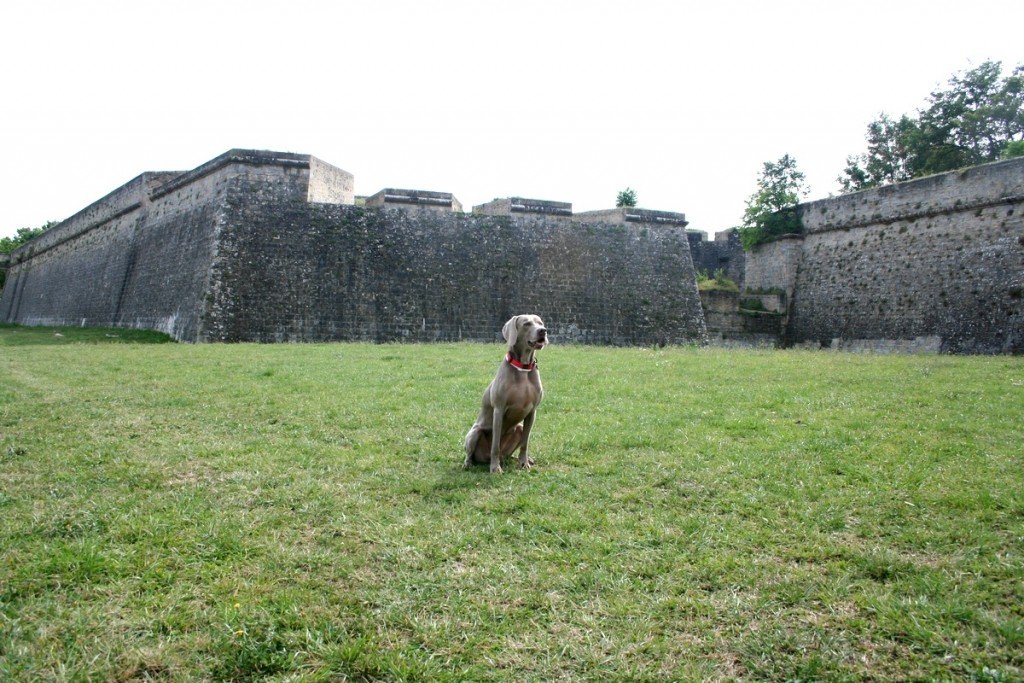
{"x": 245, "y": 157}
{"x": 970, "y": 189}
{"x": 514, "y": 205}
{"x": 391, "y": 197}
{"x": 633, "y": 215}
{"x": 885, "y": 219}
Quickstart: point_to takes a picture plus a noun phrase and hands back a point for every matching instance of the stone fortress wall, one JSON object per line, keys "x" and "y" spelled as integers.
{"x": 935, "y": 263}
{"x": 265, "y": 246}
{"x": 930, "y": 265}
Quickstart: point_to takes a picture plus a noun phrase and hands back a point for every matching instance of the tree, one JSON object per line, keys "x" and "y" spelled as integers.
{"x": 1014, "y": 149}
{"x": 626, "y": 198}
{"x": 9, "y": 244}
{"x": 771, "y": 210}
{"x": 888, "y": 157}
{"x": 971, "y": 122}
{"x": 980, "y": 113}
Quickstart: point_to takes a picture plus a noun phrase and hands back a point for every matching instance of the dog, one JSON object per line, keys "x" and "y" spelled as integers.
{"x": 509, "y": 405}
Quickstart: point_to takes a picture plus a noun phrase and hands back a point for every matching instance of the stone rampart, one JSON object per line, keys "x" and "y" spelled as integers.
{"x": 775, "y": 266}
{"x": 264, "y": 246}
{"x": 311, "y": 273}
{"x": 940, "y": 257}
{"x": 251, "y": 246}
{"x": 141, "y": 256}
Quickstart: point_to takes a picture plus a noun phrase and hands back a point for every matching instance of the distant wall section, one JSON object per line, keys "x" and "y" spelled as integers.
{"x": 938, "y": 258}
{"x": 317, "y": 273}
{"x": 724, "y": 253}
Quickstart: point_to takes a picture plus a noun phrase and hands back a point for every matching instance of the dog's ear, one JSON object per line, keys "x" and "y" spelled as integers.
{"x": 511, "y": 331}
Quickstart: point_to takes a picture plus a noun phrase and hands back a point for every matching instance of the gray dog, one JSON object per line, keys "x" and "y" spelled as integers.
{"x": 510, "y": 402}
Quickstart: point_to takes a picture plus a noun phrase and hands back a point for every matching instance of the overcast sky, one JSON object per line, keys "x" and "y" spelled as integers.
{"x": 567, "y": 101}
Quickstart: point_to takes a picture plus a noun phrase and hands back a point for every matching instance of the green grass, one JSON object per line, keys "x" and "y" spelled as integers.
{"x": 299, "y": 512}
{"x": 19, "y": 335}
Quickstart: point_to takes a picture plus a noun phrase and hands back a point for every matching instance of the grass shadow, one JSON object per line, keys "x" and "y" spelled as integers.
{"x": 21, "y": 335}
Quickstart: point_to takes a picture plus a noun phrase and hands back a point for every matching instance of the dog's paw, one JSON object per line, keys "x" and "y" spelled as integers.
{"x": 496, "y": 469}
{"x": 525, "y": 463}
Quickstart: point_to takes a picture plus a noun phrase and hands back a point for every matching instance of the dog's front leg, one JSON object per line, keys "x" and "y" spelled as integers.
{"x": 525, "y": 461}
{"x": 496, "y": 427}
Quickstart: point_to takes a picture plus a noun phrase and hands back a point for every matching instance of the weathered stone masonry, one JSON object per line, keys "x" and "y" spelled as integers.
{"x": 261, "y": 246}
{"x": 940, "y": 258}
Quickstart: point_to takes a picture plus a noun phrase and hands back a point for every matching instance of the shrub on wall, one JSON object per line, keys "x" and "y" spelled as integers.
{"x": 626, "y": 198}
{"x": 718, "y": 281}
{"x": 1013, "y": 150}
{"x": 770, "y": 227}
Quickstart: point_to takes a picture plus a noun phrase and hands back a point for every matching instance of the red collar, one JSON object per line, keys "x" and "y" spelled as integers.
{"x": 519, "y": 366}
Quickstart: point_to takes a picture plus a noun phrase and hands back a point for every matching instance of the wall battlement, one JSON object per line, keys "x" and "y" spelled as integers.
{"x": 417, "y": 200}
{"x": 521, "y": 205}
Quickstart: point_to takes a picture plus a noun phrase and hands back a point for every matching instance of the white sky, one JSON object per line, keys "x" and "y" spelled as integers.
{"x": 561, "y": 100}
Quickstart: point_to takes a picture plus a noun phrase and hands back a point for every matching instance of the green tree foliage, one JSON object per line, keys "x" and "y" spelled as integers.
{"x": 771, "y": 210}
{"x": 1014, "y": 149}
{"x": 887, "y": 158}
{"x": 9, "y": 244}
{"x": 626, "y": 198}
{"x": 971, "y": 122}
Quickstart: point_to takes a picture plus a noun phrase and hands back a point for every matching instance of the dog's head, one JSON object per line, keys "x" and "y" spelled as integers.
{"x": 528, "y": 330}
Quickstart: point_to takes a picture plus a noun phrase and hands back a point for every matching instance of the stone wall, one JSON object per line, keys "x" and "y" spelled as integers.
{"x": 724, "y": 253}
{"x": 291, "y": 272}
{"x": 251, "y": 246}
{"x": 141, "y": 256}
{"x": 329, "y": 184}
{"x": 940, "y": 257}
{"x": 264, "y": 246}
{"x": 775, "y": 266}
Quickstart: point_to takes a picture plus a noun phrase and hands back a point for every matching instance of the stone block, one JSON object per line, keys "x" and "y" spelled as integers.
{"x": 414, "y": 200}
{"x": 633, "y": 215}
{"x": 511, "y": 206}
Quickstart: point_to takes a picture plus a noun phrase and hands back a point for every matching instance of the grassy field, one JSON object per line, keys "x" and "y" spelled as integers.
{"x": 300, "y": 513}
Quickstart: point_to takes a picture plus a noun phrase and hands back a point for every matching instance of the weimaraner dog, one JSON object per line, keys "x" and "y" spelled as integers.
{"x": 510, "y": 402}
